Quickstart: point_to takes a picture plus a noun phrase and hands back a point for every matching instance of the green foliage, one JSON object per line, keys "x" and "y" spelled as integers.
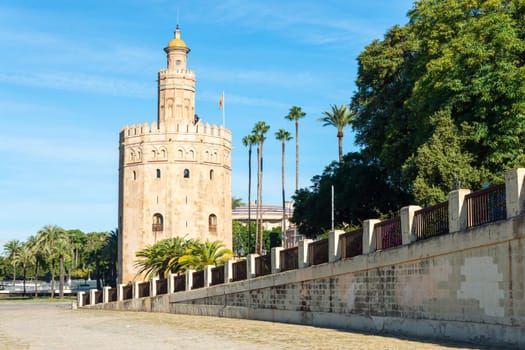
{"x": 197, "y": 255}
{"x": 161, "y": 258}
{"x": 339, "y": 117}
{"x": 362, "y": 191}
{"x": 236, "y": 202}
{"x": 463, "y": 57}
{"x": 441, "y": 163}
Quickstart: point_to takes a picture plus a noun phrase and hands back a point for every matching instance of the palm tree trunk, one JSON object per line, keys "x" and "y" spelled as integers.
{"x": 249, "y": 196}
{"x": 53, "y": 278}
{"x": 61, "y": 277}
{"x": 340, "y": 143}
{"x": 258, "y": 199}
{"x": 260, "y": 204}
{"x": 283, "y": 223}
{"x": 296, "y": 167}
{"x": 24, "y": 278}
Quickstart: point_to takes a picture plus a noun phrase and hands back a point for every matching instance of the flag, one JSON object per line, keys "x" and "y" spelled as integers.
{"x": 221, "y": 101}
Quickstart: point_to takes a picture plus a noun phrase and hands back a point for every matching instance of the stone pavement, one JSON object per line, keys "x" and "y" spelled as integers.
{"x": 29, "y": 325}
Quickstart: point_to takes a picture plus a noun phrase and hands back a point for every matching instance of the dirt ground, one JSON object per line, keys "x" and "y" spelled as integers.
{"x": 30, "y": 325}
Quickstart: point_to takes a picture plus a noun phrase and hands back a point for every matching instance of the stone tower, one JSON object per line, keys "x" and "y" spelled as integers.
{"x": 174, "y": 174}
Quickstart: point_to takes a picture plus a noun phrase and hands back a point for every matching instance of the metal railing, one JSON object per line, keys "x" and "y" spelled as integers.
{"x": 289, "y": 259}
{"x": 351, "y": 243}
{"x": 179, "y": 283}
{"x": 263, "y": 265}
{"x": 85, "y": 298}
{"x": 99, "y": 297}
{"x": 487, "y": 205}
{"x": 112, "y": 294}
{"x": 162, "y": 286}
{"x": 431, "y": 221}
{"x": 239, "y": 271}
{"x": 318, "y": 252}
{"x": 127, "y": 292}
{"x": 387, "y": 233}
{"x": 217, "y": 275}
{"x": 144, "y": 289}
{"x": 198, "y": 279}
{"x": 157, "y": 227}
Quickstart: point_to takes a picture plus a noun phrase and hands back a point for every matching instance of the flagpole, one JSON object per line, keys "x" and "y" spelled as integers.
{"x": 223, "y": 111}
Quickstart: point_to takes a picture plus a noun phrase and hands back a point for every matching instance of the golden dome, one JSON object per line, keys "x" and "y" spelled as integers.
{"x": 177, "y": 41}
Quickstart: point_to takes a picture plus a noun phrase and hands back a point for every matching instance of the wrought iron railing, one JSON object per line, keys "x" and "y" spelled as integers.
{"x": 179, "y": 283}
{"x": 162, "y": 286}
{"x": 487, "y": 205}
{"x": 112, "y": 294}
{"x": 239, "y": 270}
{"x": 351, "y": 243}
{"x": 289, "y": 259}
{"x": 85, "y": 298}
{"x": 217, "y": 275}
{"x": 431, "y": 221}
{"x": 127, "y": 292}
{"x": 157, "y": 227}
{"x": 387, "y": 233}
{"x": 263, "y": 265}
{"x": 318, "y": 252}
{"x": 198, "y": 279}
{"x": 144, "y": 289}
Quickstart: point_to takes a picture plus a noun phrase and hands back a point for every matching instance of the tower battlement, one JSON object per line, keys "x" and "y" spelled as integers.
{"x": 200, "y": 128}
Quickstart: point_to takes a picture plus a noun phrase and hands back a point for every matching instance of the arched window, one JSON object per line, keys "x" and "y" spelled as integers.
{"x": 212, "y": 223}
{"x": 158, "y": 173}
{"x": 186, "y": 174}
{"x": 211, "y": 174}
{"x": 158, "y": 223}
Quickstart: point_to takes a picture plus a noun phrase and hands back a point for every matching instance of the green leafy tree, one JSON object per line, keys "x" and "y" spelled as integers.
{"x": 339, "y": 117}
{"x": 441, "y": 162}
{"x": 109, "y": 255}
{"x": 283, "y": 136}
{"x": 362, "y": 191}
{"x": 259, "y": 130}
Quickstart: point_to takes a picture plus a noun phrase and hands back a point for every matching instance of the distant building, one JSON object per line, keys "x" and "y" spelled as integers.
{"x": 175, "y": 173}
{"x": 272, "y": 217}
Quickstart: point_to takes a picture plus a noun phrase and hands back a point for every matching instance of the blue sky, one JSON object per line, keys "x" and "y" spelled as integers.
{"x": 73, "y": 73}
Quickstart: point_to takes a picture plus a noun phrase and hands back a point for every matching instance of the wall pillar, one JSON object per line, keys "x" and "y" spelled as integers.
{"x": 171, "y": 283}
{"x": 334, "y": 253}
{"x": 153, "y": 287}
{"x": 228, "y": 271}
{"x": 407, "y": 221}
{"x": 250, "y": 269}
{"x": 189, "y": 279}
{"x": 207, "y": 275}
{"x": 80, "y": 298}
{"x": 457, "y": 211}
{"x": 369, "y": 241}
{"x": 276, "y": 259}
{"x": 92, "y": 296}
{"x": 303, "y": 252}
{"x": 120, "y": 291}
{"x": 136, "y": 289}
{"x": 105, "y": 294}
{"x": 515, "y": 192}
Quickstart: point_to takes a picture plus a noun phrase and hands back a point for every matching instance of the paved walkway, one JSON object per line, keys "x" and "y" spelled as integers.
{"x": 27, "y": 325}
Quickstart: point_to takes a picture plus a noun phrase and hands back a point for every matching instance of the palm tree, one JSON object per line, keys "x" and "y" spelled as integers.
{"x": 12, "y": 249}
{"x": 54, "y": 242}
{"x": 295, "y": 114}
{"x": 162, "y": 257}
{"x": 283, "y": 136}
{"x": 39, "y": 259}
{"x": 339, "y": 117}
{"x": 198, "y": 255}
{"x": 110, "y": 256}
{"x": 260, "y": 129}
{"x": 249, "y": 141}
{"x": 25, "y": 257}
